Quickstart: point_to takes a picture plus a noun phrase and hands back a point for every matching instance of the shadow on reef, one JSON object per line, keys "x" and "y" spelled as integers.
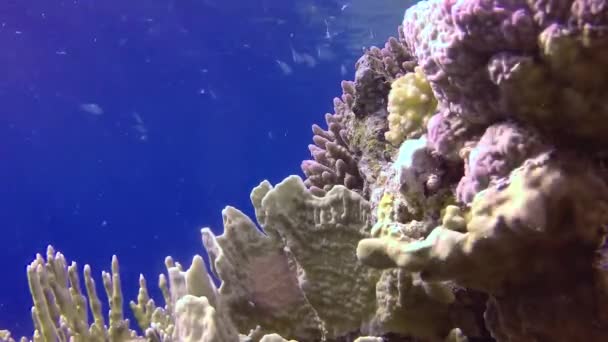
{"x": 459, "y": 193}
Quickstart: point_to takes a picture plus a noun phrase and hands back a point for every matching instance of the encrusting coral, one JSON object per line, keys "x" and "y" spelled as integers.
{"x": 471, "y": 204}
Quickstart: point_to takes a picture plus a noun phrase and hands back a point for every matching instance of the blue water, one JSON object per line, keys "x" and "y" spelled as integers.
{"x": 126, "y": 126}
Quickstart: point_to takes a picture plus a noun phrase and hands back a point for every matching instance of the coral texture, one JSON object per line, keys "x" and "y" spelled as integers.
{"x": 482, "y": 219}
{"x": 333, "y": 162}
{"x": 410, "y": 103}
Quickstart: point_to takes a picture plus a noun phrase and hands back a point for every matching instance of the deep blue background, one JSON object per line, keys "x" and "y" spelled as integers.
{"x": 196, "y": 112}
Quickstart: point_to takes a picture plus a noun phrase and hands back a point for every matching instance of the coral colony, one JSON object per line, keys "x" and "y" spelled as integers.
{"x": 459, "y": 193}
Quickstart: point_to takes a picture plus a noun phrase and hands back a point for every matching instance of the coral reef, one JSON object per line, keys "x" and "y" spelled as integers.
{"x": 501, "y": 148}
{"x": 354, "y": 149}
{"x": 410, "y": 103}
{"x": 333, "y": 162}
{"x": 467, "y": 203}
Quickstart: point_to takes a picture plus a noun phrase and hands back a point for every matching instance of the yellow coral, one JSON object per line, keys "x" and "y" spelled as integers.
{"x": 385, "y": 207}
{"x": 410, "y": 103}
{"x": 384, "y": 213}
{"x": 453, "y": 218}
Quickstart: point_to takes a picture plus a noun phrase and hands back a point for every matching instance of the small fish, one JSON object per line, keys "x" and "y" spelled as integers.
{"x": 140, "y": 127}
{"x": 343, "y": 70}
{"x": 91, "y": 108}
{"x": 325, "y": 53}
{"x": 268, "y": 20}
{"x": 303, "y": 58}
{"x": 285, "y": 68}
{"x": 138, "y": 118}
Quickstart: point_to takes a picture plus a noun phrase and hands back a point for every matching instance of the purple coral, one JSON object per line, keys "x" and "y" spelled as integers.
{"x": 333, "y": 163}
{"x": 455, "y": 49}
{"x": 350, "y": 150}
{"x": 502, "y": 148}
{"x": 488, "y": 60}
{"x": 375, "y": 71}
{"x": 590, "y": 16}
{"x": 448, "y": 134}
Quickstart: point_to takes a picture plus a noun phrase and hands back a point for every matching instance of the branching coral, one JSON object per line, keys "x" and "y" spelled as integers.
{"x": 333, "y": 162}
{"x": 356, "y": 130}
{"x": 376, "y": 70}
{"x": 489, "y": 219}
{"x": 60, "y": 311}
{"x": 271, "y": 281}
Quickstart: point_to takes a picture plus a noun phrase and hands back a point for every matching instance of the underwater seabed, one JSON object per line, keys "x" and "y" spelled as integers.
{"x": 458, "y": 193}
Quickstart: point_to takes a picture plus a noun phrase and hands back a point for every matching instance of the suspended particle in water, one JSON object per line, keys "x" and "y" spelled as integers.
{"x": 91, "y": 108}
